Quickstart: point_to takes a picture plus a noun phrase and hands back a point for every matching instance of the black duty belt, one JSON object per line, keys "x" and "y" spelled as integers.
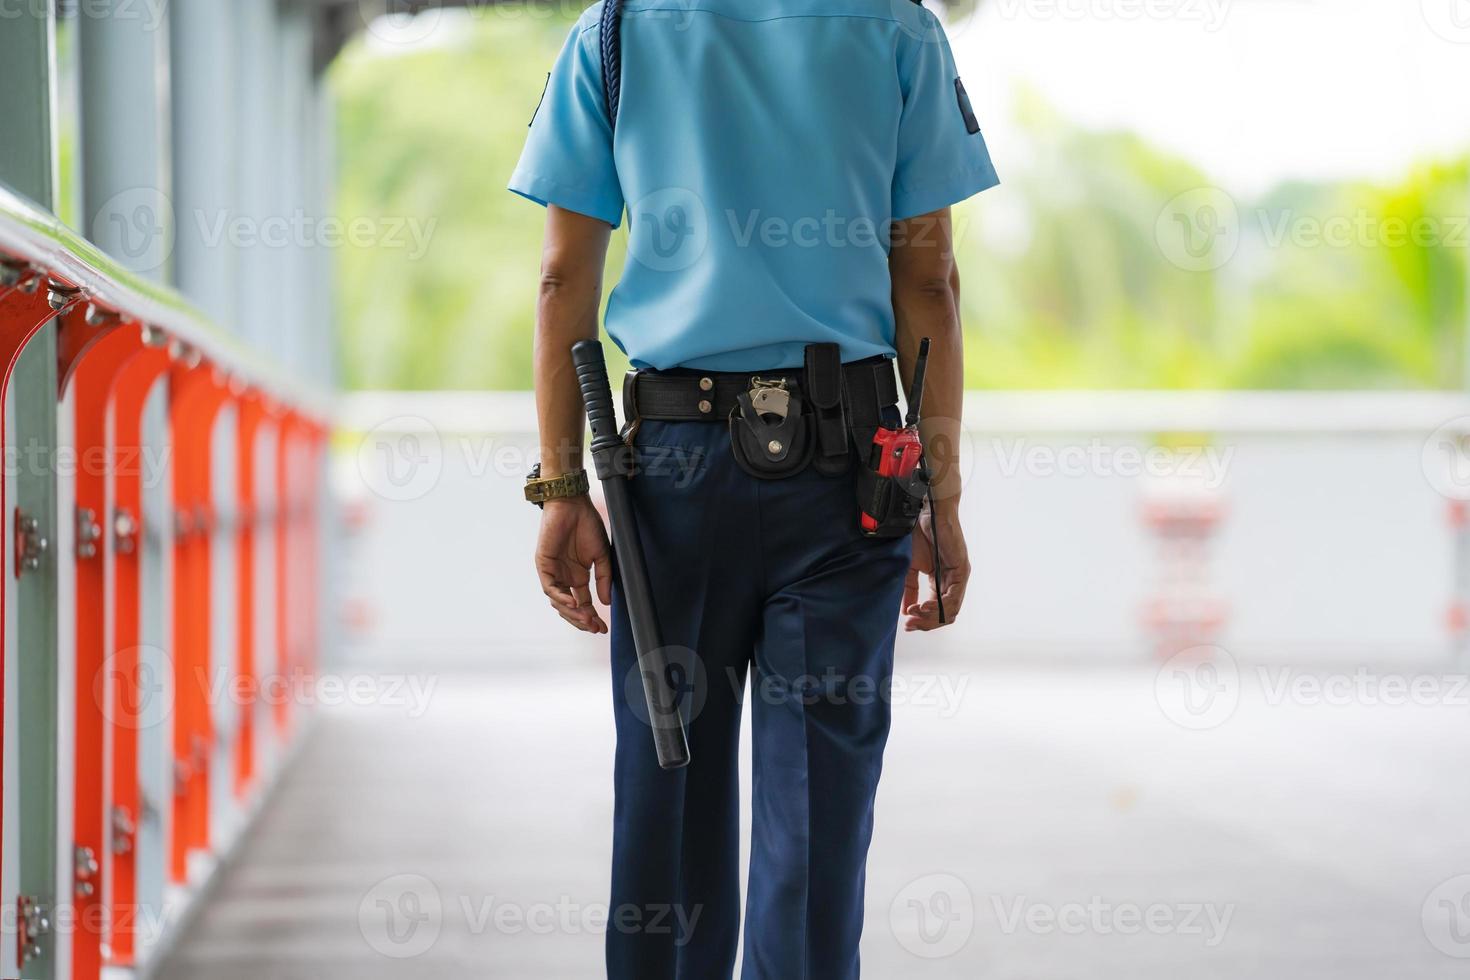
{"x": 684, "y": 395}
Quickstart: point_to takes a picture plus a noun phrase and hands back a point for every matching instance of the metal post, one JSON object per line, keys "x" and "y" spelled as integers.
{"x": 28, "y": 640}
{"x": 204, "y": 73}
{"x": 127, "y": 197}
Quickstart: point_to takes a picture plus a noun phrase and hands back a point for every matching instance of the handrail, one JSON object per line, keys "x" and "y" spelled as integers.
{"x": 118, "y": 337}
{"x": 32, "y": 235}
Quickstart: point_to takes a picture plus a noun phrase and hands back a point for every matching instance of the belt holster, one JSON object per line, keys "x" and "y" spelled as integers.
{"x": 894, "y": 503}
{"x": 769, "y": 434}
{"x": 823, "y": 384}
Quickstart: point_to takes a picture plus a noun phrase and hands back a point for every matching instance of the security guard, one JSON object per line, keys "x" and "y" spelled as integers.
{"x": 787, "y": 167}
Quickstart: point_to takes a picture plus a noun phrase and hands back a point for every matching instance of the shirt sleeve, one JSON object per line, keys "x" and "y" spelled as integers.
{"x": 942, "y": 157}
{"x": 568, "y": 156}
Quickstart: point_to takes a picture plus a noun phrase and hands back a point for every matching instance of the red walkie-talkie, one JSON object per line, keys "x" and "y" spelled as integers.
{"x": 896, "y": 453}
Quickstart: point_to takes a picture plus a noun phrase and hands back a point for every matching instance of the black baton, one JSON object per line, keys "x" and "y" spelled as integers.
{"x": 613, "y": 460}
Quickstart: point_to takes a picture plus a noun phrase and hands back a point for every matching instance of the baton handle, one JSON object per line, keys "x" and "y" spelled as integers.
{"x": 613, "y": 458}
{"x": 597, "y": 399}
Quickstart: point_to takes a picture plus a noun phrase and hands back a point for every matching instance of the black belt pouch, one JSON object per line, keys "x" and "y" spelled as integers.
{"x": 823, "y": 386}
{"x": 894, "y": 504}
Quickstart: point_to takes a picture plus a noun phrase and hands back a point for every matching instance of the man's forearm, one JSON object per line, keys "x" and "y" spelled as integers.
{"x": 564, "y": 315}
{"x": 566, "y": 312}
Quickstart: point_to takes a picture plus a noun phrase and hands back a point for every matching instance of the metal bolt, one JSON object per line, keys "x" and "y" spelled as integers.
{"x": 706, "y": 384}
{"x": 34, "y": 924}
{"x": 123, "y": 830}
{"x": 124, "y": 530}
{"x": 87, "y": 865}
{"x": 89, "y": 532}
{"x": 706, "y": 407}
{"x": 59, "y": 294}
{"x": 96, "y": 316}
{"x": 86, "y": 869}
{"x": 775, "y": 447}
{"x": 30, "y": 544}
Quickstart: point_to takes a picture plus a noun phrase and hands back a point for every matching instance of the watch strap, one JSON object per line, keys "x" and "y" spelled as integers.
{"x": 541, "y": 489}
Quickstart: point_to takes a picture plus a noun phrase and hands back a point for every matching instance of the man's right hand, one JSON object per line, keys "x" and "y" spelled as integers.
{"x": 573, "y": 544}
{"x": 955, "y": 577}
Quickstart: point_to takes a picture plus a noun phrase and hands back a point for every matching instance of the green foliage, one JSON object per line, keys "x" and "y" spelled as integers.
{"x": 1064, "y": 280}
{"x": 432, "y": 136}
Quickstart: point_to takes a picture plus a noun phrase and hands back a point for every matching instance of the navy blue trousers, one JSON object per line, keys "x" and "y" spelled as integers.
{"x": 768, "y": 584}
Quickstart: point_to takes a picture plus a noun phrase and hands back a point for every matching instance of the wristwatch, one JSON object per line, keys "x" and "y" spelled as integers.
{"x": 538, "y": 490}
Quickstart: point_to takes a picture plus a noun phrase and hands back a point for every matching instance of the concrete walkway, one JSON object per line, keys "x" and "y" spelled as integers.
{"x": 1037, "y": 825}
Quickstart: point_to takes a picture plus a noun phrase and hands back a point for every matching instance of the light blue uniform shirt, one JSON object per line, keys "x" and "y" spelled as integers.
{"x": 762, "y": 149}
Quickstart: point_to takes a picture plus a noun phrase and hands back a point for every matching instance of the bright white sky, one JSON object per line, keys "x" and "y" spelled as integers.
{"x": 1254, "y": 91}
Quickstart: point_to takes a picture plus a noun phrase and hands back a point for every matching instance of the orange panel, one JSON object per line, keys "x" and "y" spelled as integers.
{"x": 198, "y": 393}
{"x": 252, "y": 416}
{"x": 99, "y": 364}
{"x": 287, "y": 432}
{"x": 130, "y": 393}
